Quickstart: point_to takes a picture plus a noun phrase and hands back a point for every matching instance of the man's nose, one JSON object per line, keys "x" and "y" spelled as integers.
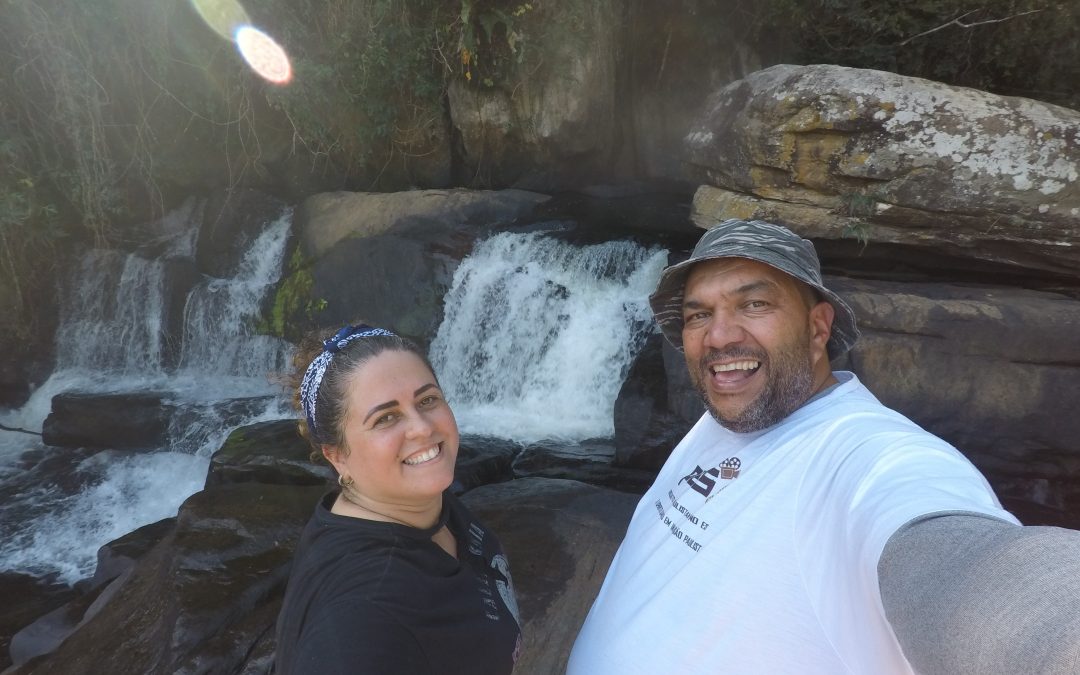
{"x": 724, "y": 331}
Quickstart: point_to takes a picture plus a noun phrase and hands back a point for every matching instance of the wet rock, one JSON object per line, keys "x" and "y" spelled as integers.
{"x": 120, "y": 555}
{"x": 232, "y": 219}
{"x": 203, "y": 597}
{"x": 655, "y": 408}
{"x": 26, "y": 598}
{"x": 106, "y": 420}
{"x": 587, "y": 461}
{"x": 269, "y": 453}
{"x": 560, "y": 537}
{"x": 482, "y": 460}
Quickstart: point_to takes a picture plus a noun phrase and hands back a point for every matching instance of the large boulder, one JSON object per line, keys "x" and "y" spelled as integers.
{"x": 109, "y": 420}
{"x": 656, "y": 406}
{"x": 992, "y": 370}
{"x": 549, "y": 120}
{"x": 325, "y": 219}
{"x": 590, "y": 461}
{"x": 872, "y": 156}
{"x": 560, "y": 537}
{"x": 231, "y": 221}
{"x": 25, "y": 599}
{"x": 389, "y": 258}
{"x": 203, "y": 598}
{"x": 267, "y": 452}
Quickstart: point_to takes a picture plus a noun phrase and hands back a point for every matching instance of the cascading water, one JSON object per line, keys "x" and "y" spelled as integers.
{"x": 538, "y": 334}
{"x": 110, "y": 340}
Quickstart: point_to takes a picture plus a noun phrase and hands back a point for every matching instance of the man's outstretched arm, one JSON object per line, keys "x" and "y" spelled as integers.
{"x": 967, "y": 594}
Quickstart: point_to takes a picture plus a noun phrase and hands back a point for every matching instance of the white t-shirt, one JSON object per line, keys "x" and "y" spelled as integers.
{"x": 768, "y": 564}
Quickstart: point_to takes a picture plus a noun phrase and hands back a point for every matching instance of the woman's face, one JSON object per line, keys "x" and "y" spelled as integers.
{"x": 401, "y": 436}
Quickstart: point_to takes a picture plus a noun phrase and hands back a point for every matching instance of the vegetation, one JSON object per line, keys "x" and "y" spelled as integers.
{"x": 293, "y": 310}
{"x": 1012, "y": 47}
{"x": 112, "y": 110}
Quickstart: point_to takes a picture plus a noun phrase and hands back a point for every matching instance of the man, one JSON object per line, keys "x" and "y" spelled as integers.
{"x": 801, "y": 526}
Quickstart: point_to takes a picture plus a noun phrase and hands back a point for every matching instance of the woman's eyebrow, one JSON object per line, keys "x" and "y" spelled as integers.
{"x": 381, "y": 406}
{"x": 391, "y": 404}
{"x": 421, "y": 390}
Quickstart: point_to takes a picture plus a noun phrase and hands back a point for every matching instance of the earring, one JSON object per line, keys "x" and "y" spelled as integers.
{"x": 345, "y": 481}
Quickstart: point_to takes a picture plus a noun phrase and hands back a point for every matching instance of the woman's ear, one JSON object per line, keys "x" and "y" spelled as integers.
{"x": 335, "y": 457}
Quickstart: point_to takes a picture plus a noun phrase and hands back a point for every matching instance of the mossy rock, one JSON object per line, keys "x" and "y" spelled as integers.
{"x": 269, "y": 453}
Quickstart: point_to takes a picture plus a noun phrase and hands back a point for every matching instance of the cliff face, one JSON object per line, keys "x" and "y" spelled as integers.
{"x": 119, "y": 111}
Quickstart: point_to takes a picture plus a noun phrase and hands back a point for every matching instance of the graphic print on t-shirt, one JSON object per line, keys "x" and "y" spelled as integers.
{"x": 506, "y": 585}
{"x": 704, "y": 481}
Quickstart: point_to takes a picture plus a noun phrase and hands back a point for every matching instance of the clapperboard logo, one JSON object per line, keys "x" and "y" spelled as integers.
{"x": 703, "y": 481}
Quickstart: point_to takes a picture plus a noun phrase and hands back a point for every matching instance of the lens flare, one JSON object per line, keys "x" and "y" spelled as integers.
{"x": 223, "y": 16}
{"x": 265, "y": 56}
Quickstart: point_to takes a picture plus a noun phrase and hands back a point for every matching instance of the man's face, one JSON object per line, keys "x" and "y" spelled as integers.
{"x": 754, "y": 341}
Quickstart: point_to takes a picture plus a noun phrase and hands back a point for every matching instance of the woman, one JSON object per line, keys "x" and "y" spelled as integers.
{"x": 392, "y": 574}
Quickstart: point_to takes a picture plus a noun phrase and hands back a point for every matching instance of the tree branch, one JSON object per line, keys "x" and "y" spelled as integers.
{"x": 958, "y": 21}
{"x": 21, "y": 431}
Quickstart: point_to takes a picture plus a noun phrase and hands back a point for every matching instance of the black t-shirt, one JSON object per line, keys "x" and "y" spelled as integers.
{"x": 384, "y": 599}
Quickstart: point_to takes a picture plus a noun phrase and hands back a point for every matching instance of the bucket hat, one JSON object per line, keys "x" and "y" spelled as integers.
{"x": 764, "y": 242}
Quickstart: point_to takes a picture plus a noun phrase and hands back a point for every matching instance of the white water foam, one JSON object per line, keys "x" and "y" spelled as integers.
{"x": 110, "y": 341}
{"x": 538, "y": 334}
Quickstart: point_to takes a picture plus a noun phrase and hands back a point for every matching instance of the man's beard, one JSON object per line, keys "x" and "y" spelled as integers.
{"x": 789, "y": 386}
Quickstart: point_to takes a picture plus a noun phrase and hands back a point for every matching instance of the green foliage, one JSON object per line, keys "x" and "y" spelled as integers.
{"x": 1013, "y": 47}
{"x": 368, "y": 78}
{"x": 859, "y": 207}
{"x": 493, "y": 40}
{"x": 294, "y": 309}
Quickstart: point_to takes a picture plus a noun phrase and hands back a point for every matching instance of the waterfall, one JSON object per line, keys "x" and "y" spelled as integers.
{"x": 114, "y": 322}
{"x": 539, "y": 334}
{"x": 56, "y": 510}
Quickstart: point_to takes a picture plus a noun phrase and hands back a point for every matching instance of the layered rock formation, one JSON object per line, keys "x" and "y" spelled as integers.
{"x": 878, "y": 157}
{"x": 898, "y": 178}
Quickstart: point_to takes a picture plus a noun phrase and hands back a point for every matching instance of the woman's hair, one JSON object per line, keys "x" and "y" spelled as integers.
{"x": 331, "y": 394}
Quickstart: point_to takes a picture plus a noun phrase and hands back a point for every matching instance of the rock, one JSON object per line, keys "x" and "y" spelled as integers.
{"x": 119, "y": 555}
{"x": 388, "y": 259}
{"x": 560, "y": 537}
{"x": 589, "y": 461}
{"x": 107, "y": 420}
{"x": 482, "y": 460}
{"x": 232, "y": 219}
{"x": 992, "y": 370}
{"x": 675, "y": 59}
{"x": 47, "y": 632}
{"x": 549, "y": 121}
{"x": 323, "y": 220}
{"x": 656, "y": 407}
{"x": 179, "y": 277}
{"x": 271, "y": 453}
{"x": 384, "y": 280}
{"x": 203, "y": 597}
{"x": 25, "y": 599}
{"x": 872, "y": 156}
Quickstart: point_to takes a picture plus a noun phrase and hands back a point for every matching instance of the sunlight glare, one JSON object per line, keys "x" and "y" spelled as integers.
{"x": 265, "y": 56}
{"x": 224, "y": 16}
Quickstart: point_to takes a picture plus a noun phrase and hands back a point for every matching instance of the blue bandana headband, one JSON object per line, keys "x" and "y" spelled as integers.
{"x": 309, "y": 388}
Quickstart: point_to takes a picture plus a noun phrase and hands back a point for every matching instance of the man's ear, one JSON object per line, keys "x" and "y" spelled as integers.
{"x": 821, "y": 319}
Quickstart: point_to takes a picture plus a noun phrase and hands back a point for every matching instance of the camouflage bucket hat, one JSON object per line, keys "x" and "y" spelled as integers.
{"x": 771, "y": 244}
